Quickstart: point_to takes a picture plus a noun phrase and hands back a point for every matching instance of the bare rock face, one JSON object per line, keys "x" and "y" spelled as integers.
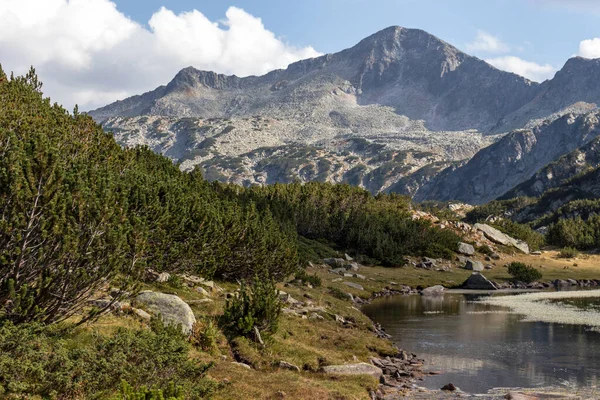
{"x": 515, "y": 158}
{"x": 496, "y": 236}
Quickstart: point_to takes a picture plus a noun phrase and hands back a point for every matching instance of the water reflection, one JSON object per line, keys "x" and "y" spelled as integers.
{"x": 479, "y": 347}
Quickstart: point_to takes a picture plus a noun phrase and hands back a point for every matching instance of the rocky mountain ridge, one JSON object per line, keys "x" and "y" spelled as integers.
{"x": 403, "y": 91}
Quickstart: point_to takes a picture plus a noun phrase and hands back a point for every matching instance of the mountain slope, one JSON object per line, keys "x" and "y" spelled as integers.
{"x": 516, "y": 157}
{"x": 560, "y": 171}
{"x": 417, "y": 74}
{"x": 424, "y": 104}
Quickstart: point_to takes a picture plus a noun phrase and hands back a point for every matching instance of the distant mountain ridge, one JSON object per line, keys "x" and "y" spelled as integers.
{"x": 402, "y": 89}
{"x": 421, "y": 76}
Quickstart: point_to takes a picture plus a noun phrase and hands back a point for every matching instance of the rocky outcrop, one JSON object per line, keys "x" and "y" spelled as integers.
{"x": 171, "y": 308}
{"x": 496, "y": 236}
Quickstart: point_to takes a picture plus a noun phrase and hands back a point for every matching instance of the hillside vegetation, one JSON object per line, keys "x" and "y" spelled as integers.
{"x": 80, "y": 215}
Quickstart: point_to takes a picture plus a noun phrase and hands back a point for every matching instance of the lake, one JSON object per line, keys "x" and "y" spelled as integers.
{"x": 480, "y": 346}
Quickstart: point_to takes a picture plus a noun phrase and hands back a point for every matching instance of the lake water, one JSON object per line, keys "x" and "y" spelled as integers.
{"x": 479, "y": 347}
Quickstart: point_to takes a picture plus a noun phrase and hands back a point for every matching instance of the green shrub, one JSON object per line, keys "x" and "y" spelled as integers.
{"x": 314, "y": 250}
{"x": 256, "y": 306}
{"x": 485, "y": 249}
{"x": 568, "y": 252}
{"x": 172, "y": 392}
{"x": 49, "y": 363}
{"x": 175, "y": 281}
{"x": 524, "y": 273}
{"x": 205, "y": 335}
{"x": 338, "y": 293}
{"x": 314, "y": 280}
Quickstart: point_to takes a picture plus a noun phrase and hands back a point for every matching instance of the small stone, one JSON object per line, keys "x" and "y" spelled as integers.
{"x": 242, "y": 365}
{"x": 354, "y": 285}
{"x": 141, "y": 314}
{"x": 449, "y": 387}
{"x": 202, "y": 291}
{"x": 163, "y": 277}
{"x": 287, "y": 365}
{"x": 348, "y": 258}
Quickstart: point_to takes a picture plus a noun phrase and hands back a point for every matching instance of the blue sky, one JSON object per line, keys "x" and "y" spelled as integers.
{"x": 93, "y": 52}
{"x": 540, "y": 31}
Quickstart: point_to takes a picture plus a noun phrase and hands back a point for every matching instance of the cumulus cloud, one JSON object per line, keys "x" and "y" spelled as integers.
{"x": 590, "y": 48}
{"x": 486, "y": 42}
{"x": 88, "y": 52}
{"x": 528, "y": 69}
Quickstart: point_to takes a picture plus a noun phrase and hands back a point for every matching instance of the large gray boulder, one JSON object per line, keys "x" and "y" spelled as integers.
{"x": 478, "y": 282}
{"x": 496, "y": 236}
{"x": 466, "y": 249}
{"x": 172, "y": 310}
{"x": 354, "y": 369}
{"x": 476, "y": 266}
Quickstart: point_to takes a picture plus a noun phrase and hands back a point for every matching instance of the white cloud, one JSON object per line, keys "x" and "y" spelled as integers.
{"x": 528, "y": 69}
{"x": 590, "y": 48}
{"x": 88, "y": 52}
{"x": 486, "y": 42}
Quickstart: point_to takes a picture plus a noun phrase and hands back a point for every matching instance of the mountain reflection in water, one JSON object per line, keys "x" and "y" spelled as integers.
{"x": 479, "y": 347}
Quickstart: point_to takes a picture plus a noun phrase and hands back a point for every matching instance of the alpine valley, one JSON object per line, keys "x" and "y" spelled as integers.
{"x": 402, "y": 111}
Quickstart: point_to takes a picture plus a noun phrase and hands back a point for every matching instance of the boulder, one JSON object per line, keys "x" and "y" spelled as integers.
{"x": 354, "y": 369}
{"x": 354, "y": 285}
{"x": 172, "y": 309}
{"x": 347, "y": 257}
{"x": 286, "y": 298}
{"x": 496, "y": 236}
{"x": 353, "y": 266}
{"x": 335, "y": 262}
{"x": 436, "y": 290}
{"x": 478, "y": 282}
{"x": 338, "y": 271}
{"x": 466, "y": 249}
{"x": 462, "y": 259}
{"x": 476, "y": 266}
